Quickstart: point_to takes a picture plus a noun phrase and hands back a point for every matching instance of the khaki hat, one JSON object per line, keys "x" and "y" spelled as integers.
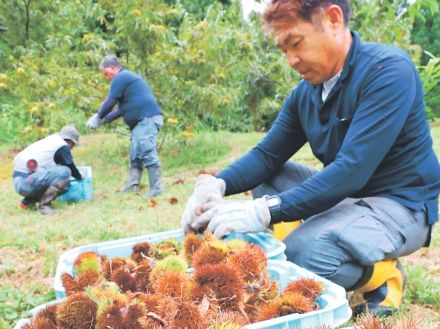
{"x": 70, "y": 132}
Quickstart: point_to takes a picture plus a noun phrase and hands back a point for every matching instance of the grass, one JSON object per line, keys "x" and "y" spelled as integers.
{"x": 30, "y": 243}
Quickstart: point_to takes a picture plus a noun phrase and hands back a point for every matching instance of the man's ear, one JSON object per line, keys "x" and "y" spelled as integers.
{"x": 334, "y": 15}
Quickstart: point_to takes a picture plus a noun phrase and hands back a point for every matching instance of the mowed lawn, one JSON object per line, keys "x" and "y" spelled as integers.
{"x": 30, "y": 243}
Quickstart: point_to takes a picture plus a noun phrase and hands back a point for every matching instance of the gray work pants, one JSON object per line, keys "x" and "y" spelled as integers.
{"x": 34, "y": 185}
{"x": 143, "y": 152}
{"x": 340, "y": 242}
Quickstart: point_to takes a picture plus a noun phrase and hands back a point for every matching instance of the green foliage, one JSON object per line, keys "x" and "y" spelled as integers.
{"x": 430, "y": 75}
{"x": 15, "y": 305}
{"x": 426, "y": 29}
{"x": 421, "y": 288}
{"x": 179, "y": 152}
{"x": 410, "y": 26}
{"x": 207, "y": 66}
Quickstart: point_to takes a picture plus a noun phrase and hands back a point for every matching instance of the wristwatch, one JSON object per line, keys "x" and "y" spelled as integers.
{"x": 274, "y": 205}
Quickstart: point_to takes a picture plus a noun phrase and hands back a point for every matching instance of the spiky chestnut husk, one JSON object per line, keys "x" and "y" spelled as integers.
{"x": 407, "y": 323}
{"x": 250, "y": 261}
{"x": 173, "y": 284}
{"x": 166, "y": 248}
{"x": 49, "y": 312}
{"x": 151, "y": 301}
{"x": 369, "y": 321}
{"x": 141, "y": 275}
{"x": 209, "y": 254}
{"x": 122, "y": 316}
{"x": 78, "y": 311}
{"x": 111, "y": 265}
{"x": 85, "y": 280}
{"x": 40, "y": 323}
{"x": 269, "y": 289}
{"x": 284, "y": 305}
{"x": 308, "y": 287}
{"x": 251, "y": 293}
{"x": 142, "y": 282}
{"x": 170, "y": 263}
{"x": 88, "y": 261}
{"x": 228, "y": 320}
{"x": 152, "y": 321}
{"x": 224, "y": 325}
{"x": 208, "y": 236}
{"x": 235, "y": 245}
{"x": 191, "y": 243}
{"x": 124, "y": 279}
{"x": 142, "y": 250}
{"x": 106, "y": 293}
{"x": 251, "y": 312}
{"x": 221, "y": 282}
{"x": 181, "y": 314}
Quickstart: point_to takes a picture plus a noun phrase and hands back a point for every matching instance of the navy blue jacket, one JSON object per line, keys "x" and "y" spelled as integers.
{"x": 371, "y": 134}
{"x": 134, "y": 97}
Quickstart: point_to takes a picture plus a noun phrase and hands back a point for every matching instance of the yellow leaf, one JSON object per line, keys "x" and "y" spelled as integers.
{"x": 172, "y": 121}
{"x": 187, "y": 134}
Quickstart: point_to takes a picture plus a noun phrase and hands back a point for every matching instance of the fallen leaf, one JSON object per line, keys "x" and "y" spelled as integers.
{"x": 209, "y": 171}
{"x": 172, "y": 200}
{"x": 178, "y": 181}
{"x": 153, "y": 203}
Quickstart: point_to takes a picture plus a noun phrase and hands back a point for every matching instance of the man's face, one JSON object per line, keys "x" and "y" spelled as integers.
{"x": 109, "y": 72}
{"x": 315, "y": 50}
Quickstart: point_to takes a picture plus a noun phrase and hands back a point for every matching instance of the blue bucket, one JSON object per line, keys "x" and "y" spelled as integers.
{"x": 79, "y": 189}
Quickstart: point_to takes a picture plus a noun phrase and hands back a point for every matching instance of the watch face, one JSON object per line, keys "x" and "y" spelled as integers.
{"x": 273, "y": 201}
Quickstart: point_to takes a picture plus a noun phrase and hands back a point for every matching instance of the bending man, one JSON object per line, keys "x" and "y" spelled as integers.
{"x": 142, "y": 114}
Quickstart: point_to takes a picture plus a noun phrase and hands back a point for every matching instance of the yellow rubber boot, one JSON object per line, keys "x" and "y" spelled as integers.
{"x": 282, "y": 229}
{"x": 383, "y": 292}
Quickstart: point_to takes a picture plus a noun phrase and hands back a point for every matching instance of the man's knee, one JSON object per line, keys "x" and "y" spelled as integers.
{"x": 317, "y": 256}
{"x": 326, "y": 261}
{"x": 63, "y": 173}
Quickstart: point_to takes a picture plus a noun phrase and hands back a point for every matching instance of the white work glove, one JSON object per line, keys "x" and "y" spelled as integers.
{"x": 94, "y": 122}
{"x": 222, "y": 218}
{"x": 208, "y": 188}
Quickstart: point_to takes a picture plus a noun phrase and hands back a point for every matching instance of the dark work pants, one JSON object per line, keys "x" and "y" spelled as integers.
{"x": 340, "y": 242}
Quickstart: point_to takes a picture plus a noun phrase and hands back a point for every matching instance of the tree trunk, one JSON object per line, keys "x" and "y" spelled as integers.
{"x": 27, "y": 20}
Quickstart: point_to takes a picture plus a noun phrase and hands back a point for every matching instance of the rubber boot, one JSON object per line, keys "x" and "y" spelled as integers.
{"x": 154, "y": 177}
{"x": 283, "y": 229}
{"x": 48, "y": 196}
{"x": 133, "y": 180}
{"x": 382, "y": 290}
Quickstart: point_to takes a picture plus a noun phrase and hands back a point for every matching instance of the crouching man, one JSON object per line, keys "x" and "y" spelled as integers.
{"x": 43, "y": 169}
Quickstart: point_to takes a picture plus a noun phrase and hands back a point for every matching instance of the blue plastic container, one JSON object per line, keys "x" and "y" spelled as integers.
{"x": 273, "y": 248}
{"x": 334, "y": 309}
{"x": 79, "y": 189}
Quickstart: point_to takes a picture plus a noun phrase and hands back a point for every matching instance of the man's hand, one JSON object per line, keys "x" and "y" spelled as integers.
{"x": 222, "y": 218}
{"x": 94, "y": 122}
{"x": 207, "y": 189}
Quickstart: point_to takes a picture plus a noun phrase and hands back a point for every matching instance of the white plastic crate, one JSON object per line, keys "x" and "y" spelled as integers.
{"x": 273, "y": 248}
{"x": 79, "y": 189}
{"x": 334, "y": 309}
